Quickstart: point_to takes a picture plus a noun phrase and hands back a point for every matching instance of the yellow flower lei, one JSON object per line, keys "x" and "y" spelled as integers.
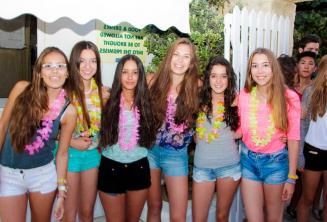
{"x": 94, "y": 113}
{"x": 259, "y": 141}
{"x": 218, "y": 119}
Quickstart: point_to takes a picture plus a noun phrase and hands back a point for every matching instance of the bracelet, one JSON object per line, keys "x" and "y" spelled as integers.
{"x": 63, "y": 188}
{"x": 291, "y": 181}
{"x": 294, "y": 177}
{"x": 61, "y": 181}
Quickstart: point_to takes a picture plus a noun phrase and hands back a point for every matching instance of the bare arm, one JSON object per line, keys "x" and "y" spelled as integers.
{"x": 68, "y": 124}
{"x": 6, "y": 114}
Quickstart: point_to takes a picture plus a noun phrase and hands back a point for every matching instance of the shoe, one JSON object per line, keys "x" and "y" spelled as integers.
{"x": 317, "y": 214}
{"x": 291, "y": 211}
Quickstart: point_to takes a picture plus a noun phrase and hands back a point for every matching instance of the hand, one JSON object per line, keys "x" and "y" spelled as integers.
{"x": 105, "y": 92}
{"x": 283, "y": 139}
{"x": 81, "y": 143}
{"x": 287, "y": 191}
{"x": 58, "y": 211}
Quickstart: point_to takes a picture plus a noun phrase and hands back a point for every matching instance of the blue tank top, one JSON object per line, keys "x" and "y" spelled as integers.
{"x": 22, "y": 160}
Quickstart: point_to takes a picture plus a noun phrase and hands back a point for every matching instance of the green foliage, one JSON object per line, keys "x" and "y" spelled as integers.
{"x": 311, "y": 18}
{"x": 207, "y": 29}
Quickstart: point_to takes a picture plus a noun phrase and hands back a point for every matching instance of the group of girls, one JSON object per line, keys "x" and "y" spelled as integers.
{"x": 125, "y": 142}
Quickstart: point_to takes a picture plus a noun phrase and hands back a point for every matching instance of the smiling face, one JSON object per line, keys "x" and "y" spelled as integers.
{"x": 181, "y": 59}
{"x": 306, "y": 66}
{"x": 88, "y": 64}
{"x": 261, "y": 71}
{"x": 129, "y": 75}
{"x": 54, "y": 70}
{"x": 218, "y": 79}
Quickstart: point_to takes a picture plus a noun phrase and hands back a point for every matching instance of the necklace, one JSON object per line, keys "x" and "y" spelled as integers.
{"x": 256, "y": 139}
{"x": 122, "y": 136}
{"x": 218, "y": 117}
{"x": 43, "y": 133}
{"x": 94, "y": 111}
{"x": 170, "y": 116}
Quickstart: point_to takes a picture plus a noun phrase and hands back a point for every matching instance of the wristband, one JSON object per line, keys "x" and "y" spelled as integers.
{"x": 61, "y": 181}
{"x": 293, "y": 177}
{"x": 63, "y": 188}
{"x": 291, "y": 181}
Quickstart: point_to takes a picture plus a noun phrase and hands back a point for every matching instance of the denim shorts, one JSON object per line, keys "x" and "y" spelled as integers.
{"x": 269, "y": 168}
{"x": 41, "y": 179}
{"x": 208, "y": 174}
{"x": 172, "y": 162}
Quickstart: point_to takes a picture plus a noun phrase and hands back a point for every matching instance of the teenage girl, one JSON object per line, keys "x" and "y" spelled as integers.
{"x": 268, "y": 112}
{"x": 216, "y": 158}
{"x": 29, "y": 126}
{"x": 315, "y": 146}
{"x": 174, "y": 92}
{"x": 84, "y": 157}
{"x": 127, "y": 131}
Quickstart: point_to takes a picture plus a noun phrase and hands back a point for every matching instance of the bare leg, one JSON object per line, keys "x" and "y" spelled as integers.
{"x": 226, "y": 188}
{"x": 41, "y": 206}
{"x": 154, "y": 200}
{"x": 273, "y": 202}
{"x": 202, "y": 193}
{"x": 71, "y": 203}
{"x": 252, "y": 194}
{"x": 13, "y": 209}
{"x": 88, "y": 189}
{"x": 177, "y": 187}
{"x": 114, "y": 206}
{"x": 135, "y": 203}
{"x": 310, "y": 184}
{"x": 324, "y": 212}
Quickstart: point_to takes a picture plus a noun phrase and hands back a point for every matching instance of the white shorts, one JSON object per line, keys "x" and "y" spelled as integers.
{"x": 15, "y": 182}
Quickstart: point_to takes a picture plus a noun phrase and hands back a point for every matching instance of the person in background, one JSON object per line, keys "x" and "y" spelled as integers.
{"x": 310, "y": 42}
{"x": 315, "y": 147}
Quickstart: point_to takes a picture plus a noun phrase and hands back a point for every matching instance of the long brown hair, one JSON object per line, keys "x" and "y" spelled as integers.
{"x": 276, "y": 88}
{"x": 110, "y": 115}
{"x": 32, "y": 104}
{"x": 319, "y": 94}
{"x": 187, "y": 99}
{"x": 74, "y": 61}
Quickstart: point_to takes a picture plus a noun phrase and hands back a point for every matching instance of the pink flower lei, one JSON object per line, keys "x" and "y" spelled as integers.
{"x": 44, "y": 132}
{"x": 170, "y": 116}
{"x": 122, "y": 127}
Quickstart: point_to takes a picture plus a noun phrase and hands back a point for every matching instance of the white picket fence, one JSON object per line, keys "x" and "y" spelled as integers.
{"x": 247, "y": 30}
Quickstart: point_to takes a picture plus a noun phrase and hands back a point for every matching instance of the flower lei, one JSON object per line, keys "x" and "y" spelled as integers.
{"x": 94, "y": 113}
{"x": 256, "y": 139}
{"x": 43, "y": 133}
{"x": 218, "y": 119}
{"x": 170, "y": 116}
{"x": 122, "y": 136}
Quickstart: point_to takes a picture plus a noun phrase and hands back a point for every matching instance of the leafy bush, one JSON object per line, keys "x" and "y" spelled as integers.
{"x": 311, "y": 18}
{"x": 207, "y": 31}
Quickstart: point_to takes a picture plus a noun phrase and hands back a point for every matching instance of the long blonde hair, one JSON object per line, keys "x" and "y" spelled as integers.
{"x": 276, "y": 88}
{"x": 319, "y": 94}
